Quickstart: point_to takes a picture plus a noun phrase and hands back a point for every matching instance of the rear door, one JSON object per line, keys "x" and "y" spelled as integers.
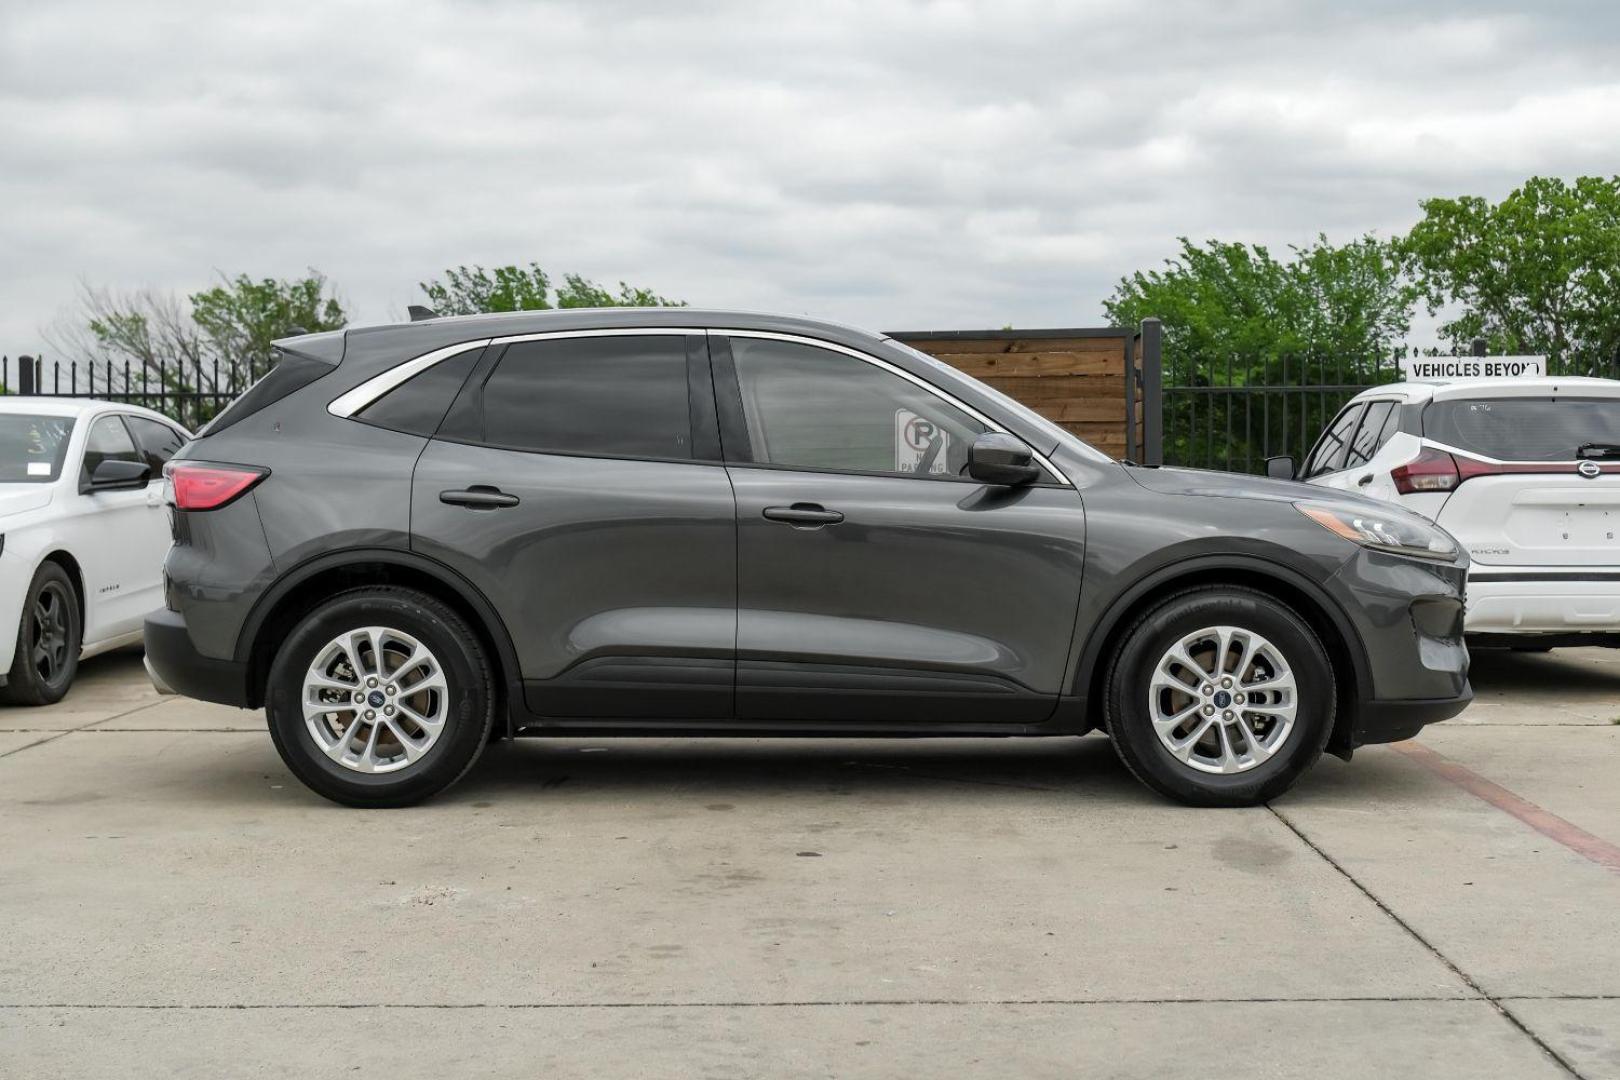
{"x": 876, "y": 583}
{"x": 1530, "y": 495}
{"x": 576, "y": 482}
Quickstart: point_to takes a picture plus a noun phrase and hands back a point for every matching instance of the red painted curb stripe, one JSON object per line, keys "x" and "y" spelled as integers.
{"x": 1545, "y": 822}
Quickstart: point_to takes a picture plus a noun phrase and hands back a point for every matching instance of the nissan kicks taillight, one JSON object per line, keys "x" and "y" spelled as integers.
{"x": 208, "y": 487}
{"x": 1431, "y": 470}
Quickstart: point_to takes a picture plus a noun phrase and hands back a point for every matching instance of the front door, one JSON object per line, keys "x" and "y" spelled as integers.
{"x": 876, "y": 583}
{"x": 124, "y": 537}
{"x": 576, "y": 483}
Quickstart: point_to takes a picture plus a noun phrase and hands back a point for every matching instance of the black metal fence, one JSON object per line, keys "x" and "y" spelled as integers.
{"x": 1232, "y": 415}
{"x": 190, "y": 393}
{"x": 1234, "y": 418}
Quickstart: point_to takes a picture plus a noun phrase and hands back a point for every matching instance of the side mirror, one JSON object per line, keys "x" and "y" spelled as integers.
{"x": 998, "y": 458}
{"x": 1281, "y": 468}
{"x": 112, "y": 475}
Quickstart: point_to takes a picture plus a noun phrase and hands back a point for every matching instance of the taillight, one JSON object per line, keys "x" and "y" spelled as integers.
{"x": 1431, "y": 470}
{"x": 208, "y": 487}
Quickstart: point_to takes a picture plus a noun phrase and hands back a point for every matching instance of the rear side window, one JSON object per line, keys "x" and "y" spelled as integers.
{"x": 595, "y": 396}
{"x": 1329, "y": 453}
{"x": 158, "y": 442}
{"x": 1525, "y": 429}
{"x": 293, "y": 371}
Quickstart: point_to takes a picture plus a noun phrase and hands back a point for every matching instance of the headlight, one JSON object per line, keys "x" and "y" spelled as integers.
{"x": 1385, "y": 532}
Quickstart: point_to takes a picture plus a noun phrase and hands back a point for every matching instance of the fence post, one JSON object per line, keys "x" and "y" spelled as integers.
{"x": 1152, "y": 392}
{"x": 25, "y": 375}
{"x": 1478, "y": 346}
{"x": 1133, "y": 433}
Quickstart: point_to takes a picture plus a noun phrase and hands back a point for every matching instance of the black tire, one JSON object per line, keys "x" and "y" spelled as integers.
{"x": 49, "y": 638}
{"x": 470, "y": 696}
{"x": 1150, "y": 638}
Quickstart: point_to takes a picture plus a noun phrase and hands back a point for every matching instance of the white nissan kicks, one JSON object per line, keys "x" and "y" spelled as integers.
{"x": 1525, "y": 473}
{"x": 83, "y": 532}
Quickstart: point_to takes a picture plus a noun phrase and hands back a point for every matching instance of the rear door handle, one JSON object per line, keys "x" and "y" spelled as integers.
{"x": 802, "y": 514}
{"x": 479, "y": 497}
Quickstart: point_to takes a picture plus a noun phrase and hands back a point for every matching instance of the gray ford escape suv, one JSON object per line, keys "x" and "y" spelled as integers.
{"x": 408, "y": 540}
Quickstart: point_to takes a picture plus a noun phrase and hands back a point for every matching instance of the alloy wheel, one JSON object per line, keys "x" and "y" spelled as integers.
{"x": 1223, "y": 700}
{"x": 50, "y": 623}
{"x": 375, "y": 699}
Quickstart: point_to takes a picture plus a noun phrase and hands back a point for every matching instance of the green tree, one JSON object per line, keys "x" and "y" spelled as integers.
{"x": 1234, "y": 313}
{"x": 1538, "y": 272}
{"x": 240, "y": 317}
{"x": 216, "y": 340}
{"x": 1223, "y": 301}
{"x": 474, "y": 290}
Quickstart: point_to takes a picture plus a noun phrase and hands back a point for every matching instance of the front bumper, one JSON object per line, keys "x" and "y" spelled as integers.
{"x": 1563, "y": 600}
{"x": 1392, "y": 721}
{"x": 175, "y": 665}
{"x": 1409, "y": 615}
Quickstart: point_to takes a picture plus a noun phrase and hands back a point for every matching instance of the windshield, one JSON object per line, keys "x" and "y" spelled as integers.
{"x": 32, "y": 447}
{"x": 1525, "y": 429}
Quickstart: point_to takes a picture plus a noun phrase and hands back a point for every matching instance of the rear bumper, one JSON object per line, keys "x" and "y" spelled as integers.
{"x": 175, "y": 665}
{"x": 1552, "y": 600}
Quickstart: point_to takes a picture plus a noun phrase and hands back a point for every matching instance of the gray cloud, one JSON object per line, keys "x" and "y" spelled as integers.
{"x": 884, "y": 163}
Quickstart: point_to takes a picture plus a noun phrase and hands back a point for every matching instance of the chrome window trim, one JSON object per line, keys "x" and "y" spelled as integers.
{"x": 375, "y": 387}
{"x": 904, "y": 374}
{"x": 353, "y": 401}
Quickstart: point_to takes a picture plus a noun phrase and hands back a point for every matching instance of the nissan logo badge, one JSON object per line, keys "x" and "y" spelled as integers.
{"x": 1588, "y": 469}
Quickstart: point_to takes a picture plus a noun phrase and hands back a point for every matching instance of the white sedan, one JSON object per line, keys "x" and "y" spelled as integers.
{"x": 1525, "y": 473}
{"x": 83, "y": 533}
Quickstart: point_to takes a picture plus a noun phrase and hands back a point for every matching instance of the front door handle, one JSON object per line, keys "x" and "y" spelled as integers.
{"x": 803, "y": 514}
{"x": 479, "y": 497}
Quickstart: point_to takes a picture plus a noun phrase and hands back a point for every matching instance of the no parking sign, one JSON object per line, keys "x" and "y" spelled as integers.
{"x": 920, "y": 445}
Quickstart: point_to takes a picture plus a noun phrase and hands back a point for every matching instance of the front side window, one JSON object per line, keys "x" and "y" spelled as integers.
{"x": 32, "y": 447}
{"x": 813, "y": 408}
{"x": 1329, "y": 454}
{"x": 108, "y": 440}
{"x": 158, "y": 442}
{"x": 1366, "y": 444}
{"x": 592, "y": 396}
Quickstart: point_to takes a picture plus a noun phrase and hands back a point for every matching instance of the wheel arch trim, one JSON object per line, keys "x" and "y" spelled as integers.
{"x": 253, "y": 627}
{"x": 1099, "y": 637}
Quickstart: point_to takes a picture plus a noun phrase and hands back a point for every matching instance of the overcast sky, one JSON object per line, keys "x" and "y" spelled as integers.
{"x": 894, "y": 165}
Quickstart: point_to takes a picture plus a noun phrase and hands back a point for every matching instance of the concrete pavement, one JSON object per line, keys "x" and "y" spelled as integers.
{"x": 176, "y": 904}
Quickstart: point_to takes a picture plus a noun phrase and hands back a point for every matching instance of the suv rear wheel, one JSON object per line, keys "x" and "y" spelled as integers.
{"x": 1220, "y": 696}
{"x": 380, "y": 697}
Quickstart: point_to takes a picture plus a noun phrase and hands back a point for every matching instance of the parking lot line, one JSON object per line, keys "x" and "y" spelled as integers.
{"x": 1545, "y": 822}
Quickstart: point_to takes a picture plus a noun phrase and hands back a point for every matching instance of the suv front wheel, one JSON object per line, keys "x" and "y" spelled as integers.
{"x": 380, "y": 697}
{"x": 1220, "y": 696}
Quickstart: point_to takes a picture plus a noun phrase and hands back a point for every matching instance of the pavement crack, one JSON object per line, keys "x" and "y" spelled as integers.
{"x": 1497, "y": 1003}
{"x": 57, "y": 734}
{"x": 725, "y": 1004}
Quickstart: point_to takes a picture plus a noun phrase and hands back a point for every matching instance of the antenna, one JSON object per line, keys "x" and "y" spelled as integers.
{"x": 418, "y": 312}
